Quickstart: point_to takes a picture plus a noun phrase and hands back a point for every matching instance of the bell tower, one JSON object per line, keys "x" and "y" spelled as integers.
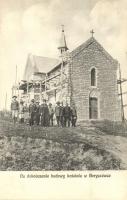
{"x": 63, "y": 45}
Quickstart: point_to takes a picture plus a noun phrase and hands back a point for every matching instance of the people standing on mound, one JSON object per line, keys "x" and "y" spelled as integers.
{"x": 43, "y": 114}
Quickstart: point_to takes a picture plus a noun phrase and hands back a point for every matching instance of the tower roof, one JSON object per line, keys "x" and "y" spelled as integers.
{"x": 63, "y": 44}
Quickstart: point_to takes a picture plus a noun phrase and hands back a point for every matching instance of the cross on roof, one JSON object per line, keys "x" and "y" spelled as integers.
{"x": 92, "y": 32}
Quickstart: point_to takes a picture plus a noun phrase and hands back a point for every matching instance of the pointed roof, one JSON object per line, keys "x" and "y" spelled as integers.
{"x": 44, "y": 64}
{"x": 39, "y": 64}
{"x": 63, "y": 44}
{"x": 86, "y": 44}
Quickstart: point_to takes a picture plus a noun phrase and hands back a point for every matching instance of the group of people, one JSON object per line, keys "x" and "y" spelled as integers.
{"x": 43, "y": 114}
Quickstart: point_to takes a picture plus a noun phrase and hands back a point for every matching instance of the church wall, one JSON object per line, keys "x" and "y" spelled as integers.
{"x": 106, "y": 88}
{"x": 60, "y": 94}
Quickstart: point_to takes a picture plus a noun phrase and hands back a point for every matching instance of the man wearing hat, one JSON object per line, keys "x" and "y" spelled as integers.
{"x": 67, "y": 115}
{"x": 44, "y": 112}
{"x": 37, "y": 113}
{"x": 61, "y": 114}
{"x": 32, "y": 112}
{"x": 57, "y": 112}
{"x": 73, "y": 115}
{"x": 14, "y": 108}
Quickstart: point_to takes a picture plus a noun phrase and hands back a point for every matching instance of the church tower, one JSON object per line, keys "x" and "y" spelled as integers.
{"x": 64, "y": 70}
{"x": 63, "y": 45}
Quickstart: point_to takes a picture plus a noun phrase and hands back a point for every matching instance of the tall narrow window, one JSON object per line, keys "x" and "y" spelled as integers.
{"x": 93, "y": 77}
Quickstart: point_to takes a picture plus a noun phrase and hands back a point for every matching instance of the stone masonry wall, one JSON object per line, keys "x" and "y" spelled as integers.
{"x": 106, "y": 70}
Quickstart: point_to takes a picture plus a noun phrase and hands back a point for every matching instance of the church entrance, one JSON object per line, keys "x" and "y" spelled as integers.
{"x": 93, "y": 108}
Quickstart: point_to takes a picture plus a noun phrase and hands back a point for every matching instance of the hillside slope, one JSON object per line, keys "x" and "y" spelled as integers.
{"x": 53, "y": 148}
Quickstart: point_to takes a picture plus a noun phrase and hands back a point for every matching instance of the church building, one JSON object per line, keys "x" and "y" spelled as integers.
{"x": 85, "y": 77}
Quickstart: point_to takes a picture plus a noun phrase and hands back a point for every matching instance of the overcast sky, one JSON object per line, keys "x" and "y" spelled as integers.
{"x": 33, "y": 26}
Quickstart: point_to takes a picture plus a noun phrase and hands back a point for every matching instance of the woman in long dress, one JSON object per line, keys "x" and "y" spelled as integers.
{"x": 21, "y": 112}
{"x": 26, "y": 114}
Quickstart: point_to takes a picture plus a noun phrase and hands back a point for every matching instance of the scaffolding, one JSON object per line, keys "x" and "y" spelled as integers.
{"x": 120, "y": 81}
{"x": 57, "y": 80}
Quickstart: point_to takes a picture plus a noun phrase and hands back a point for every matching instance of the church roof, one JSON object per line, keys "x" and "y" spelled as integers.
{"x": 44, "y": 64}
{"x": 86, "y": 44}
{"x": 36, "y": 64}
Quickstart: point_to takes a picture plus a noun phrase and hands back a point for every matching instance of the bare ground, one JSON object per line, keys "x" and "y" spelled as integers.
{"x": 53, "y": 148}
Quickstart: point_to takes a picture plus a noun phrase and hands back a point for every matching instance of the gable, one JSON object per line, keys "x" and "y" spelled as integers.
{"x": 38, "y": 64}
{"x": 93, "y": 42}
{"x": 45, "y": 64}
{"x": 29, "y": 69}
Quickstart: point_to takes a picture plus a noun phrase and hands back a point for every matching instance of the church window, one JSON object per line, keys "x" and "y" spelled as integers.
{"x": 93, "y": 77}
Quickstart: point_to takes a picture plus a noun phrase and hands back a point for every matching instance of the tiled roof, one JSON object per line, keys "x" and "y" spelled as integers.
{"x": 45, "y": 64}
{"x": 39, "y": 64}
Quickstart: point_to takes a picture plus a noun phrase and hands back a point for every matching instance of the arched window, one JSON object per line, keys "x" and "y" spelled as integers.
{"x": 93, "y": 77}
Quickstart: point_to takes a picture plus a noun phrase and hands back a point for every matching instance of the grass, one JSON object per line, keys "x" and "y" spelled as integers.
{"x": 56, "y": 148}
{"x": 111, "y": 127}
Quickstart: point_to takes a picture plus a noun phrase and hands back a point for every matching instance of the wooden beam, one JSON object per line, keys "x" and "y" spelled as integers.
{"x": 27, "y": 85}
{"x": 122, "y": 107}
{"x": 121, "y": 81}
{"x": 50, "y": 78}
{"x": 54, "y": 88}
{"x": 122, "y": 93}
{"x": 43, "y": 81}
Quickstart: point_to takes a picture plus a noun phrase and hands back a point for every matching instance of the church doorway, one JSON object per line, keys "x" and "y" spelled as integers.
{"x": 93, "y": 108}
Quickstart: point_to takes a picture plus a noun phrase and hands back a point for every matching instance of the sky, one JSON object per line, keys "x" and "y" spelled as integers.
{"x": 34, "y": 26}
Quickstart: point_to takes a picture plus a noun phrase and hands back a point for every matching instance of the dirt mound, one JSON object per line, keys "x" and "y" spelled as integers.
{"x": 18, "y": 153}
{"x": 60, "y": 149}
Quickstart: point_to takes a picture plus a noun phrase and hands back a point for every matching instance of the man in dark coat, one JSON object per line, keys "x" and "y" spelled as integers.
{"x": 67, "y": 115}
{"x": 37, "y": 113}
{"x": 32, "y": 112}
{"x": 44, "y": 112}
{"x": 61, "y": 114}
{"x": 73, "y": 116}
{"x": 51, "y": 113}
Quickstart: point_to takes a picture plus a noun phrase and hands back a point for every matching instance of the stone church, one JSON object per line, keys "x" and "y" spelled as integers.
{"x": 85, "y": 77}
